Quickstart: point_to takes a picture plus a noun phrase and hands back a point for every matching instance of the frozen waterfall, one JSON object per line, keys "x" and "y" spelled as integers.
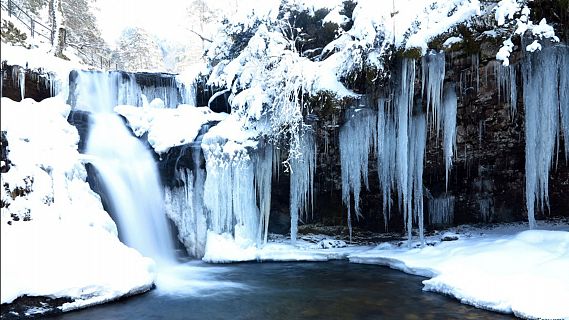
{"x": 433, "y": 75}
{"x": 302, "y": 181}
{"x": 358, "y": 138}
{"x": 546, "y": 87}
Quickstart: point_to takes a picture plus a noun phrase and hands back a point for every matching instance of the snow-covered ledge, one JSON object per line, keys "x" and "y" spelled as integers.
{"x": 504, "y": 269}
{"x": 57, "y": 241}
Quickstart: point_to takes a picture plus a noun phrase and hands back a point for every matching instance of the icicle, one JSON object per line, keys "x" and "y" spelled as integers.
{"x": 358, "y": 137}
{"x": 545, "y": 88}
{"x": 302, "y": 181}
{"x": 22, "y": 82}
{"x": 486, "y": 209}
{"x": 563, "y": 65}
{"x": 184, "y": 205}
{"x": 263, "y": 178}
{"x": 417, "y": 153}
{"x": 404, "y": 106}
{"x": 449, "y": 127}
{"x": 506, "y": 85}
{"x": 441, "y": 210}
{"x": 188, "y": 90}
{"x": 433, "y": 75}
{"x": 386, "y": 146}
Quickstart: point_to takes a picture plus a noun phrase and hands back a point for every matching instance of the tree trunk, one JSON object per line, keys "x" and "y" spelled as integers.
{"x": 58, "y": 28}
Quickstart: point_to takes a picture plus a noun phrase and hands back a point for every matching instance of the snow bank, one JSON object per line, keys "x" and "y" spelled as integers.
{"x": 57, "y": 240}
{"x": 223, "y": 248}
{"x": 525, "y": 273}
{"x": 168, "y": 128}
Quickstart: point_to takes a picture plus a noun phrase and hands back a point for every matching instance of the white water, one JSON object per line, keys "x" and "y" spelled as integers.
{"x": 126, "y": 166}
{"x": 545, "y": 78}
{"x": 358, "y": 138}
{"x": 302, "y": 181}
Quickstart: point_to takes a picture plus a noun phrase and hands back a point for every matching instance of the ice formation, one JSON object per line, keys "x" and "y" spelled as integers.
{"x": 441, "y": 210}
{"x": 402, "y": 138}
{"x": 449, "y": 127}
{"x": 545, "y": 84}
{"x": 506, "y": 84}
{"x": 302, "y": 181}
{"x": 386, "y": 146}
{"x": 358, "y": 138}
{"x": 184, "y": 202}
{"x": 263, "y": 179}
{"x": 433, "y": 75}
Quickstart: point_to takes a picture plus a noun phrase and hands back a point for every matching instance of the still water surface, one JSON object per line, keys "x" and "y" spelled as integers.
{"x": 320, "y": 290}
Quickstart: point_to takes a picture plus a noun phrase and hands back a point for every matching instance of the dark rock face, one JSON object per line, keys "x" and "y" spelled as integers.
{"x": 488, "y": 174}
{"x": 38, "y": 84}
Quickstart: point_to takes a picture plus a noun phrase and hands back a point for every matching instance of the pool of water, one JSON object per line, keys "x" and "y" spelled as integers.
{"x": 319, "y": 290}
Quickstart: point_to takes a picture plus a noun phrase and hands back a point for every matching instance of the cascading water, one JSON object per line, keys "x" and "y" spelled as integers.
{"x": 126, "y": 166}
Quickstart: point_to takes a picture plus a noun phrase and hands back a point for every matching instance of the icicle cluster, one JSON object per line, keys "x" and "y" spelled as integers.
{"x": 358, "y": 138}
{"x": 506, "y": 83}
{"x": 441, "y": 210}
{"x": 184, "y": 205}
{"x": 433, "y": 76}
{"x": 386, "y": 150}
{"x": 302, "y": 181}
{"x": 545, "y": 84}
{"x": 230, "y": 197}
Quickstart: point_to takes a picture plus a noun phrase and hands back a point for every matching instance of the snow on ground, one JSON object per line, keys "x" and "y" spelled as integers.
{"x": 168, "y": 128}
{"x": 57, "y": 240}
{"x": 504, "y": 269}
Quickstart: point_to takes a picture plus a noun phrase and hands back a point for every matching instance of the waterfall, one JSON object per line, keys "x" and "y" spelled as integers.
{"x": 127, "y": 168}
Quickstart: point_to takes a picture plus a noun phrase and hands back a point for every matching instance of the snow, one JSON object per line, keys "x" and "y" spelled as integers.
{"x": 223, "y": 248}
{"x": 504, "y": 269}
{"x": 69, "y": 247}
{"x": 451, "y": 41}
{"x": 533, "y": 46}
{"x": 504, "y": 52}
{"x": 168, "y": 128}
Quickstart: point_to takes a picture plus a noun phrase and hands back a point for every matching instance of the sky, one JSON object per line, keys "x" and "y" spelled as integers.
{"x": 166, "y": 19}
{"x": 162, "y": 20}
